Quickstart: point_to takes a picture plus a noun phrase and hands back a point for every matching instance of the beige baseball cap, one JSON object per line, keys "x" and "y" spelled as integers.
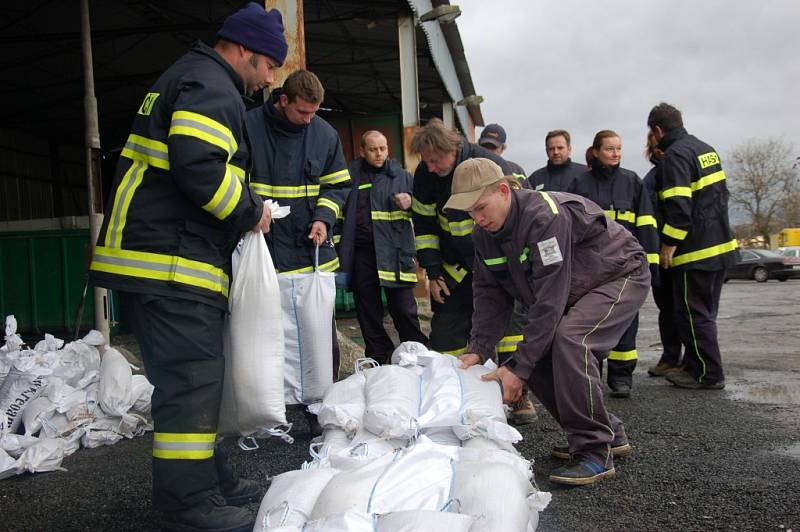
{"x": 470, "y": 180}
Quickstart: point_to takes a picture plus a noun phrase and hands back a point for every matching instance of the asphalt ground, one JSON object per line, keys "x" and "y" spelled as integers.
{"x": 702, "y": 460}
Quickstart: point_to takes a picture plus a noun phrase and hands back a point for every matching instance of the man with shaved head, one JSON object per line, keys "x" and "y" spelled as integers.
{"x": 376, "y": 250}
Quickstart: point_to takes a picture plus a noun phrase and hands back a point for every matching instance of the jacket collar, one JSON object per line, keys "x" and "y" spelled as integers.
{"x": 277, "y": 121}
{"x": 563, "y": 166}
{"x": 671, "y": 137}
{"x": 199, "y": 47}
{"x": 602, "y": 171}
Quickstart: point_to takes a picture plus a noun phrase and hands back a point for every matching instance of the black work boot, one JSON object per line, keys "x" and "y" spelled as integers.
{"x": 211, "y": 515}
{"x": 241, "y": 491}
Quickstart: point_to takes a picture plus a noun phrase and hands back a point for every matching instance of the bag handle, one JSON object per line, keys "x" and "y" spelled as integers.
{"x": 316, "y": 258}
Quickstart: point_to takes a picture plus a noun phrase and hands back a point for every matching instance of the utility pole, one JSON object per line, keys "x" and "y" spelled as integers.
{"x": 92, "y": 144}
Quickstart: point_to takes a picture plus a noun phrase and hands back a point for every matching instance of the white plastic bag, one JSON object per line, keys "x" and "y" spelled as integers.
{"x": 482, "y": 412}
{"x": 114, "y": 390}
{"x": 392, "y": 397}
{"x": 44, "y": 455}
{"x": 291, "y": 497}
{"x": 142, "y": 393}
{"x": 254, "y": 364}
{"x": 17, "y": 391}
{"x": 37, "y": 410}
{"x": 307, "y": 300}
{"x": 343, "y": 404}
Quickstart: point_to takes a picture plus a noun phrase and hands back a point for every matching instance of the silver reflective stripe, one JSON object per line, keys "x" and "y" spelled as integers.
{"x": 229, "y": 192}
{"x": 183, "y": 446}
{"x": 113, "y": 232}
{"x": 150, "y": 152}
{"x": 203, "y": 127}
{"x": 157, "y": 266}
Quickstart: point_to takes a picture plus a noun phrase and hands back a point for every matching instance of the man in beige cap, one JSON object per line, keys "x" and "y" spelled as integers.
{"x": 582, "y": 278}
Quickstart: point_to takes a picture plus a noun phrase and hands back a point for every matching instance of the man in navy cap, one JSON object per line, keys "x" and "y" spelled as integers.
{"x": 180, "y": 202}
{"x": 493, "y": 138}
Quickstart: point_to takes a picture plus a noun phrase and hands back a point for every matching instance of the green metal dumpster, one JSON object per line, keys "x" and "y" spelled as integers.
{"x": 42, "y": 277}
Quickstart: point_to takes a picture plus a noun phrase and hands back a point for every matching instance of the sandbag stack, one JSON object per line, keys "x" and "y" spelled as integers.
{"x": 56, "y": 398}
{"x": 418, "y": 445}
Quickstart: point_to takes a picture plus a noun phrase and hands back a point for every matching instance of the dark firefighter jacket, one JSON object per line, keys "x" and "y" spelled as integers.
{"x": 553, "y": 249}
{"x": 444, "y": 239}
{"x": 391, "y": 226}
{"x": 621, "y": 194}
{"x": 301, "y": 166}
{"x": 693, "y": 200}
{"x": 556, "y": 177}
{"x": 178, "y": 204}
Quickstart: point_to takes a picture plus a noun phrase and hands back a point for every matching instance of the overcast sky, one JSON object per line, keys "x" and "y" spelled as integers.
{"x": 731, "y": 66}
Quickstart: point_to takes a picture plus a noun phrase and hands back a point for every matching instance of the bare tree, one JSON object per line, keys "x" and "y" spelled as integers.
{"x": 763, "y": 182}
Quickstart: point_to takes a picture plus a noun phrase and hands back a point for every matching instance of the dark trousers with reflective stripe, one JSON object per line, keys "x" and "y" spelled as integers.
{"x": 667, "y": 323}
{"x": 622, "y": 359}
{"x": 369, "y": 308}
{"x": 181, "y": 347}
{"x": 567, "y": 381}
{"x": 451, "y": 321}
{"x": 696, "y": 294}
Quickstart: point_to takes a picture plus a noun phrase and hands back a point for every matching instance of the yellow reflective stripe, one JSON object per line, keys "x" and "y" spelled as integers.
{"x": 705, "y": 253}
{"x": 160, "y": 267}
{"x": 455, "y": 352}
{"x": 410, "y": 277}
{"x": 496, "y": 261}
{"x": 508, "y": 344}
{"x": 329, "y": 266}
{"x": 391, "y": 215}
{"x": 524, "y": 255}
{"x": 426, "y": 242}
{"x": 201, "y": 127}
{"x": 238, "y": 172}
{"x": 364, "y": 186}
{"x": 424, "y": 209}
{"x": 149, "y": 151}
{"x": 642, "y": 221}
{"x": 387, "y": 276}
{"x": 685, "y": 192}
{"x": 456, "y": 272}
{"x": 708, "y": 159}
{"x": 337, "y": 238}
{"x": 226, "y": 197}
{"x": 653, "y": 258}
{"x": 336, "y": 177}
{"x": 122, "y": 202}
{"x": 623, "y": 355}
{"x": 626, "y": 216}
{"x": 708, "y": 180}
{"x": 520, "y": 177}
{"x": 610, "y": 213}
{"x": 171, "y": 446}
{"x": 443, "y": 223}
{"x": 462, "y": 228}
{"x": 674, "y": 232}
{"x": 325, "y": 202}
{"x": 282, "y": 191}
{"x": 549, "y": 200}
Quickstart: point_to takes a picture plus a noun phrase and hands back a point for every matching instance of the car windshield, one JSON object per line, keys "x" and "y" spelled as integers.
{"x": 768, "y": 253}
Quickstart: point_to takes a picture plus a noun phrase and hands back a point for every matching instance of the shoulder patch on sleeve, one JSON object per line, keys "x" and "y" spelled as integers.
{"x": 549, "y": 251}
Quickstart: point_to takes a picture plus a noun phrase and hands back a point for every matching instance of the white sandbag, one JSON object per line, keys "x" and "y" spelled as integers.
{"x": 49, "y": 344}
{"x": 442, "y": 394}
{"x": 15, "y": 444}
{"x": 87, "y": 408}
{"x": 343, "y": 404}
{"x": 334, "y": 440}
{"x": 392, "y": 402}
{"x": 406, "y": 353}
{"x": 94, "y": 338}
{"x": 99, "y": 438}
{"x": 348, "y": 521}
{"x": 73, "y": 442}
{"x": 8, "y": 465}
{"x": 443, "y": 436}
{"x": 86, "y": 353}
{"x": 44, "y": 455}
{"x": 496, "y": 493}
{"x": 142, "y": 393}
{"x": 37, "y": 410}
{"x": 364, "y": 446}
{"x": 291, "y": 498}
{"x": 415, "y": 478}
{"x": 254, "y": 345}
{"x": 16, "y": 392}
{"x": 480, "y": 443}
{"x": 424, "y": 521}
{"x": 114, "y": 391}
{"x": 58, "y": 425}
{"x": 307, "y": 300}
{"x": 13, "y": 340}
{"x": 482, "y": 412}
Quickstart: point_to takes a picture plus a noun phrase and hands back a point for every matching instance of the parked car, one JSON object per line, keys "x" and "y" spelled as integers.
{"x": 761, "y": 265}
{"x": 791, "y": 263}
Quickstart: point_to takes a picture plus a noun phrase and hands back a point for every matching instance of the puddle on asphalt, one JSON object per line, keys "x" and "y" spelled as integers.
{"x": 766, "y": 387}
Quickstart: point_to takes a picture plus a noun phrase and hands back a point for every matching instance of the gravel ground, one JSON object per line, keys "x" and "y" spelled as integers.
{"x": 702, "y": 460}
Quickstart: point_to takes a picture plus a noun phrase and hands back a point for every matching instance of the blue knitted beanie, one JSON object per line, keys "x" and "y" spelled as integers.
{"x": 257, "y": 30}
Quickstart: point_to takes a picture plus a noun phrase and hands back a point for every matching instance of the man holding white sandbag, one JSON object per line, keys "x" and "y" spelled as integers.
{"x": 582, "y": 277}
{"x": 179, "y": 204}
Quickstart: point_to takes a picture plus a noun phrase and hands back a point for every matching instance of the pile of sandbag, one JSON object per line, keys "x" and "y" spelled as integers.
{"x": 56, "y": 398}
{"x": 418, "y": 445}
